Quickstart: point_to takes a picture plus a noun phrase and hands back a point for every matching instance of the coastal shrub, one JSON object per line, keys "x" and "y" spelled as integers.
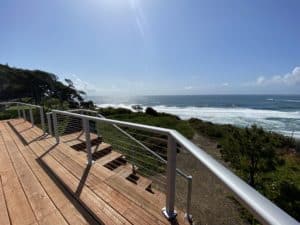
{"x": 8, "y": 113}
{"x": 297, "y": 146}
{"x": 254, "y": 156}
{"x": 251, "y": 152}
{"x": 161, "y": 120}
{"x": 87, "y": 105}
{"x": 111, "y": 112}
{"x": 150, "y": 111}
{"x": 289, "y": 198}
{"x": 50, "y": 103}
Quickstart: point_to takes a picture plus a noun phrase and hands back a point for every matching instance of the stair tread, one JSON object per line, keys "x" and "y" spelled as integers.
{"x": 109, "y": 157}
{"x": 80, "y": 136}
{"x": 125, "y": 170}
{"x": 144, "y": 182}
{"x": 100, "y": 147}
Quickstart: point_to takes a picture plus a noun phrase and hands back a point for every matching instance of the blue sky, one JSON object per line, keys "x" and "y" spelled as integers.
{"x": 142, "y": 47}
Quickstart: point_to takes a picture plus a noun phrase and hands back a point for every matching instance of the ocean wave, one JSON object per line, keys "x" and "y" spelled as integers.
{"x": 279, "y": 121}
{"x": 232, "y": 112}
{"x": 292, "y": 100}
{"x": 283, "y": 100}
{"x": 115, "y": 106}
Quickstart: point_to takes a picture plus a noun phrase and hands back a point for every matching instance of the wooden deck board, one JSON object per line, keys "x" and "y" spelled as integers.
{"x": 4, "y": 218}
{"x": 105, "y": 194}
{"x": 69, "y": 207}
{"x": 40, "y": 203}
{"x": 18, "y": 207}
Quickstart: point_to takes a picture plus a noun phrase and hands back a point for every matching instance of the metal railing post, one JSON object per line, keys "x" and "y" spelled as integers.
{"x": 188, "y": 214}
{"x": 169, "y": 210}
{"x": 31, "y": 116}
{"x": 19, "y": 112}
{"x": 24, "y": 114}
{"x": 86, "y": 128}
{"x": 49, "y": 124}
{"x": 42, "y": 119}
{"x": 55, "y": 128}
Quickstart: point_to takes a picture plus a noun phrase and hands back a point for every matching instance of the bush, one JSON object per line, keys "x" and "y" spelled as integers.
{"x": 289, "y": 198}
{"x": 88, "y": 105}
{"x": 110, "y": 111}
{"x": 150, "y": 111}
{"x": 298, "y": 145}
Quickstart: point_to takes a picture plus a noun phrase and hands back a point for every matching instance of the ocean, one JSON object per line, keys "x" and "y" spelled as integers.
{"x": 278, "y": 113}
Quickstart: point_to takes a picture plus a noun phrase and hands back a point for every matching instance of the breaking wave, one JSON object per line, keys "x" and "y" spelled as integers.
{"x": 285, "y": 122}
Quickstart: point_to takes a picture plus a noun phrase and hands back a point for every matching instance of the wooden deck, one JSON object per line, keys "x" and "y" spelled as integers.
{"x": 42, "y": 182}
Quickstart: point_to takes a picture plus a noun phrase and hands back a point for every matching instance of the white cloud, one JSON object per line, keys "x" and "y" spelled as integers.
{"x": 260, "y": 80}
{"x": 139, "y": 16}
{"x": 226, "y": 84}
{"x": 188, "y": 88}
{"x": 81, "y": 85}
{"x": 292, "y": 78}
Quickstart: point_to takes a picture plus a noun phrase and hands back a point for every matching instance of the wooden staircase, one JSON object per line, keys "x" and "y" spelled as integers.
{"x": 104, "y": 155}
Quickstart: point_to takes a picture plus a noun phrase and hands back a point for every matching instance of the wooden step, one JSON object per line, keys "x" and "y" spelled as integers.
{"x": 144, "y": 183}
{"x": 79, "y": 135}
{"x": 125, "y": 171}
{"x": 113, "y": 155}
{"x": 101, "y": 147}
{"x": 116, "y": 164}
{"x": 81, "y": 145}
{"x": 77, "y": 138}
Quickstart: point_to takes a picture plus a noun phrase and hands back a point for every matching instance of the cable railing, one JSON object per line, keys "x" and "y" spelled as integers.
{"x": 135, "y": 140}
{"x": 260, "y": 207}
{"x": 32, "y": 113}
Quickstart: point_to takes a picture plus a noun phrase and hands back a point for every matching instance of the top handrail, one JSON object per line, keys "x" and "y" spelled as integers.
{"x": 262, "y": 208}
{"x": 158, "y": 130}
{"x": 41, "y": 109}
{"x": 21, "y": 103}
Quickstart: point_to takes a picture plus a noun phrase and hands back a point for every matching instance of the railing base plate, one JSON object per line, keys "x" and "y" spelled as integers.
{"x": 90, "y": 163}
{"x": 169, "y": 216}
{"x": 189, "y": 218}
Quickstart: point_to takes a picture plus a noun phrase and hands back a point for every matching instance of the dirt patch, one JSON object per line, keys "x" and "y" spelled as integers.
{"x": 211, "y": 202}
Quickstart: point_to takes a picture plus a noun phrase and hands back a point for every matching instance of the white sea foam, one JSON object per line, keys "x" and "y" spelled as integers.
{"x": 283, "y": 100}
{"x": 279, "y": 121}
{"x": 291, "y": 100}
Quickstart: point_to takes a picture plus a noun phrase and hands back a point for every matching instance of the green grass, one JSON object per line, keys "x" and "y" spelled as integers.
{"x": 161, "y": 120}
